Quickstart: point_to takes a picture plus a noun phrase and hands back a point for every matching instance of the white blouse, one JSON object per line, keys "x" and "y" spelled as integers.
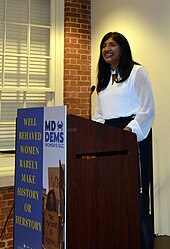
{"x": 133, "y": 96}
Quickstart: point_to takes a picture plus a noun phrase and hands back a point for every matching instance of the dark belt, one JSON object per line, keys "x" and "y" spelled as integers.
{"x": 120, "y": 122}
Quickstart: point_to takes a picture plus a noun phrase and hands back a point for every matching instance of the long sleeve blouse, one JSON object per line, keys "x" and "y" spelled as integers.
{"x": 133, "y": 96}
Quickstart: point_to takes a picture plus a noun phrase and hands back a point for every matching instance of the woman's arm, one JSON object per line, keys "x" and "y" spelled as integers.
{"x": 143, "y": 120}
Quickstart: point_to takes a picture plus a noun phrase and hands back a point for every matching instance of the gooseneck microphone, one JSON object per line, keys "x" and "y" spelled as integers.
{"x": 92, "y": 91}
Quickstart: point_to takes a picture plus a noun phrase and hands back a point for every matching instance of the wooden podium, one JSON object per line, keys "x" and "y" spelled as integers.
{"x": 102, "y": 187}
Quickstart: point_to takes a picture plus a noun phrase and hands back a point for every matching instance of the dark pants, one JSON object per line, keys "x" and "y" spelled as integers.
{"x": 147, "y": 231}
{"x": 145, "y": 158}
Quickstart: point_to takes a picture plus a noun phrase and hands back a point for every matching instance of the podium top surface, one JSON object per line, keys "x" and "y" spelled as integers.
{"x": 97, "y": 137}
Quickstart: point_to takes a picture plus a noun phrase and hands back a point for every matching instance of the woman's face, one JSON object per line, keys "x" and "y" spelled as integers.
{"x": 51, "y": 199}
{"x": 111, "y": 52}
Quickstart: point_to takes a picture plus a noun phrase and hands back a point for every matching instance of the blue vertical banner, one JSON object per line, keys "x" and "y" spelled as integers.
{"x": 28, "y": 179}
{"x": 39, "y": 173}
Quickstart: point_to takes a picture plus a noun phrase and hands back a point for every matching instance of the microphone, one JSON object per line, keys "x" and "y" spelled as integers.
{"x": 92, "y": 91}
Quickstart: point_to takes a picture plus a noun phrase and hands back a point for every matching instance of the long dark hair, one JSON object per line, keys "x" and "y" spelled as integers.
{"x": 126, "y": 62}
{"x": 49, "y": 206}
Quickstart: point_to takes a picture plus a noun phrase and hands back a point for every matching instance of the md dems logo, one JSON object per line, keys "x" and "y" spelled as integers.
{"x": 54, "y": 134}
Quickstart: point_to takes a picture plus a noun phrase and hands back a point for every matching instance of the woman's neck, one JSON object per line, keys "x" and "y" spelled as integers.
{"x": 113, "y": 67}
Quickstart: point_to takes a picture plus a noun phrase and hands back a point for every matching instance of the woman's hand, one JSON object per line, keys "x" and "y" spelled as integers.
{"x": 127, "y": 129}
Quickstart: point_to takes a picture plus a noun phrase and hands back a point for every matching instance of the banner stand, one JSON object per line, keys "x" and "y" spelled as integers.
{"x": 39, "y": 219}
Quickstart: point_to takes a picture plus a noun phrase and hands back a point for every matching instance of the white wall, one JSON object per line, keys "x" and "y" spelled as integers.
{"x": 146, "y": 25}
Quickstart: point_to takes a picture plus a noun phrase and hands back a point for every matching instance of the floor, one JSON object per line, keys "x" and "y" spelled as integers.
{"x": 162, "y": 242}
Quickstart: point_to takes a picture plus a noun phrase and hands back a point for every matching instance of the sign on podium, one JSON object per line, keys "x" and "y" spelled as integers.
{"x": 39, "y": 219}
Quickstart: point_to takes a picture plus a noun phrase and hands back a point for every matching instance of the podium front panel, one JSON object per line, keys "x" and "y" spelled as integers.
{"x": 102, "y": 187}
